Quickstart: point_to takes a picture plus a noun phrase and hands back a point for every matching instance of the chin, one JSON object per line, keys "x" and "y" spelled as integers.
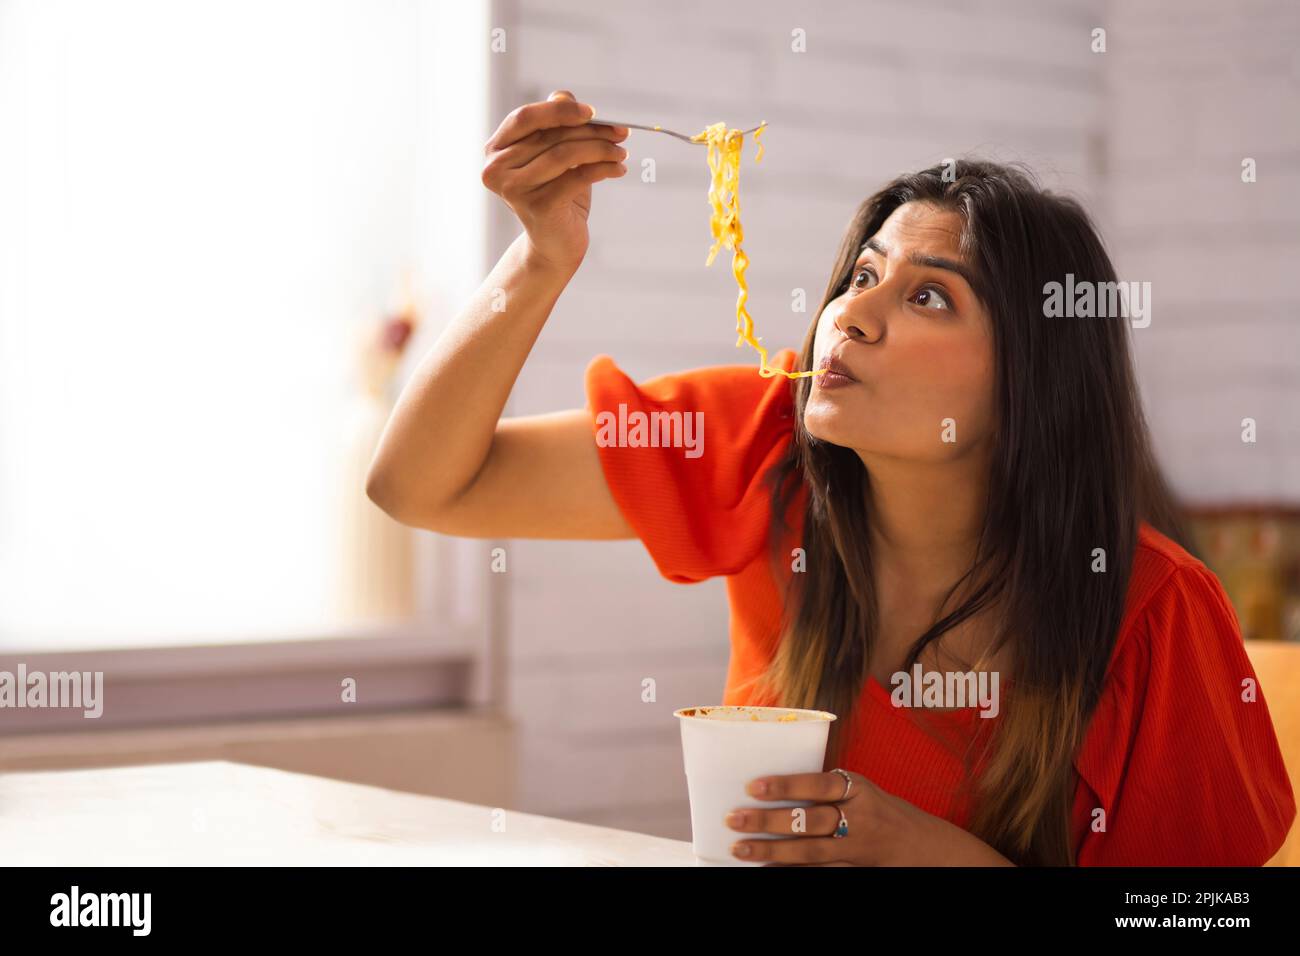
{"x": 829, "y": 424}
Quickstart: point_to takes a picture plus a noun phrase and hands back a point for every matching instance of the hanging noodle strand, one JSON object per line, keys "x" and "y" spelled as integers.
{"x": 724, "y": 148}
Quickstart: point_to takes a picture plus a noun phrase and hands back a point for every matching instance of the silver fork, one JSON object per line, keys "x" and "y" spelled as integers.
{"x": 659, "y": 129}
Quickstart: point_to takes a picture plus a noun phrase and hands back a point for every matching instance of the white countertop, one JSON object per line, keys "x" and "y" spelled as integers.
{"x": 217, "y": 813}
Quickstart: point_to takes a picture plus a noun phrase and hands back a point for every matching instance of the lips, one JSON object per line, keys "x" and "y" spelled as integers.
{"x": 835, "y": 367}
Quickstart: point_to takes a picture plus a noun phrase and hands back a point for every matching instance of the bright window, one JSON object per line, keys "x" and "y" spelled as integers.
{"x": 203, "y": 203}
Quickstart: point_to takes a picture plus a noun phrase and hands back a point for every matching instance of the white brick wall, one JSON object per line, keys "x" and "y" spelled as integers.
{"x": 1193, "y": 88}
{"x": 1138, "y": 134}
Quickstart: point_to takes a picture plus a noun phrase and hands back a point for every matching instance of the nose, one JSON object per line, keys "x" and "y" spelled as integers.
{"x": 860, "y": 326}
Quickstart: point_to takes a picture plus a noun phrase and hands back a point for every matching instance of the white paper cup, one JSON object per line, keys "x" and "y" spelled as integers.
{"x": 725, "y": 747}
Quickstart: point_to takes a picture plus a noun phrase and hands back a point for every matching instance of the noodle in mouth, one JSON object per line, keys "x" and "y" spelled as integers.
{"x": 724, "y": 148}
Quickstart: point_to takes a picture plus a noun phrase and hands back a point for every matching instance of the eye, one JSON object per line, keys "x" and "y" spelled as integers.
{"x": 858, "y": 271}
{"x": 932, "y": 298}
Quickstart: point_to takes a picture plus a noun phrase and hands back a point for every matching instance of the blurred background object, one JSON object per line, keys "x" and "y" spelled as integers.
{"x": 1255, "y": 551}
{"x": 377, "y": 555}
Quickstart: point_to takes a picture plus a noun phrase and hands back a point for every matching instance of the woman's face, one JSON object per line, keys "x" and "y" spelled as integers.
{"x": 918, "y": 343}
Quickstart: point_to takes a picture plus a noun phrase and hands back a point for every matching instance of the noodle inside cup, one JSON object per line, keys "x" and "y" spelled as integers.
{"x": 724, "y": 748}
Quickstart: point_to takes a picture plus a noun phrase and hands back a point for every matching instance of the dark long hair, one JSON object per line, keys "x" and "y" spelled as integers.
{"x": 1072, "y": 471}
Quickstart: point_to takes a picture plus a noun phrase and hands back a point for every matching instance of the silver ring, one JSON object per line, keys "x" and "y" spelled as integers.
{"x": 842, "y": 830}
{"x": 848, "y": 781}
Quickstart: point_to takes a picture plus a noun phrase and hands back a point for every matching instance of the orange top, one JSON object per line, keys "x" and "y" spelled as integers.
{"x": 1187, "y": 773}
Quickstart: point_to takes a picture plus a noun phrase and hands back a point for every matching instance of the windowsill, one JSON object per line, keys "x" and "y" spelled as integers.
{"x": 398, "y": 668}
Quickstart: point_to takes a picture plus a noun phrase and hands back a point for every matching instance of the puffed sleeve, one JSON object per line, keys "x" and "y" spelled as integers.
{"x": 685, "y": 456}
{"x": 1181, "y": 754}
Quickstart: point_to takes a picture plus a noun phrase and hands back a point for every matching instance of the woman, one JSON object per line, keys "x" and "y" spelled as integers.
{"x": 968, "y": 488}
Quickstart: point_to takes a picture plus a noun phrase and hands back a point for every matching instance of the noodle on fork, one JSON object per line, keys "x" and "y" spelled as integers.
{"x": 724, "y": 150}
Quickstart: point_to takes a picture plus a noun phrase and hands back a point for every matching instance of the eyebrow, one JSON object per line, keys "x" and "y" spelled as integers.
{"x": 917, "y": 259}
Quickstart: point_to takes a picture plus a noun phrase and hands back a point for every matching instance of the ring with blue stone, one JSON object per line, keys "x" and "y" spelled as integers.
{"x": 843, "y": 829}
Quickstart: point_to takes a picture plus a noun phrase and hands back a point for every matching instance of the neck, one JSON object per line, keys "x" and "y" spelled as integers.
{"x": 926, "y": 519}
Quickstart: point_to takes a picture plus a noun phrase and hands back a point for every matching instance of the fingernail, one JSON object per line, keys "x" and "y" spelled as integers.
{"x": 740, "y": 849}
{"x": 591, "y": 111}
{"x": 758, "y": 787}
{"x": 735, "y": 819}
